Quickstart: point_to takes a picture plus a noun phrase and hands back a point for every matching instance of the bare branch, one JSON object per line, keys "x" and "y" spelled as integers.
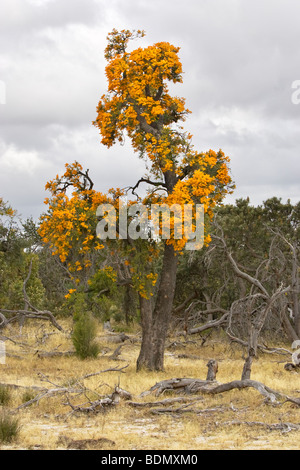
{"x": 157, "y": 184}
{"x": 39, "y": 314}
{"x": 238, "y": 271}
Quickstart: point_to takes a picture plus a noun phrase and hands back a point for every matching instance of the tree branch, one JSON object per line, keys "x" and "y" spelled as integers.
{"x": 242, "y": 274}
{"x": 146, "y": 180}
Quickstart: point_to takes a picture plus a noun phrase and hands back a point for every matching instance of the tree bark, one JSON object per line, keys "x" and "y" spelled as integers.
{"x": 288, "y": 328}
{"x": 212, "y": 370}
{"x": 163, "y": 305}
{"x": 248, "y": 364}
{"x": 129, "y": 304}
{"x": 155, "y": 322}
{"x": 295, "y": 289}
{"x": 145, "y": 359}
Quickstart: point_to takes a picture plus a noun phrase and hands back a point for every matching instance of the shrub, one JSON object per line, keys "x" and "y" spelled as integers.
{"x": 84, "y": 334}
{"x": 9, "y": 427}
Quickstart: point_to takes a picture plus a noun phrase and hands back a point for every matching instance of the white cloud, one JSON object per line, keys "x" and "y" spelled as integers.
{"x": 14, "y": 160}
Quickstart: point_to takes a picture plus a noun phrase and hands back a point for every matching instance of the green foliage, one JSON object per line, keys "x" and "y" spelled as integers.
{"x": 17, "y": 252}
{"x": 9, "y": 427}
{"x": 260, "y": 240}
{"x": 84, "y": 334}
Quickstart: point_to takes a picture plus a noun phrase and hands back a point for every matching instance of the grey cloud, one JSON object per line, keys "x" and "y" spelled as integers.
{"x": 19, "y": 17}
{"x": 239, "y": 59}
{"x": 25, "y": 170}
{"x": 53, "y": 78}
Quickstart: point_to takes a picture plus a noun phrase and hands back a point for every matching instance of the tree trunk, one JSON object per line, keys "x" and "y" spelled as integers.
{"x": 145, "y": 359}
{"x": 155, "y": 322}
{"x": 210, "y": 316}
{"x": 163, "y": 305}
{"x": 253, "y": 332}
{"x": 288, "y": 328}
{"x": 295, "y": 290}
{"x": 248, "y": 364}
{"x": 154, "y": 334}
{"x": 129, "y": 304}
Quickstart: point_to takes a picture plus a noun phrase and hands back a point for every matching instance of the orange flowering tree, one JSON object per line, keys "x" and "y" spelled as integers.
{"x": 104, "y": 275}
{"x": 69, "y": 225}
{"x": 138, "y": 103}
{"x": 69, "y": 228}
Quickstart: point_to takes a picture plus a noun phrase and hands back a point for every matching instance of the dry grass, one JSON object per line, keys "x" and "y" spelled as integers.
{"x": 49, "y": 424}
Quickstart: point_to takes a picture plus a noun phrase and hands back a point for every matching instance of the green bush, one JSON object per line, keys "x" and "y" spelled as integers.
{"x": 9, "y": 427}
{"x": 84, "y": 334}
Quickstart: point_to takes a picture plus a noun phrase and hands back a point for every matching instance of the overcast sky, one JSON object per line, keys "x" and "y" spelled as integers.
{"x": 240, "y": 59}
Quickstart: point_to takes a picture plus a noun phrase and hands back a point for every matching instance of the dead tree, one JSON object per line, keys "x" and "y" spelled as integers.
{"x": 295, "y": 285}
{"x": 256, "y": 305}
{"x": 295, "y": 356}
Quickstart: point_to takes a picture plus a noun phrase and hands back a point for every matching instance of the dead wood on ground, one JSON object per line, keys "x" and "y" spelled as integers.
{"x": 76, "y": 388}
{"x": 191, "y": 386}
{"x": 210, "y": 386}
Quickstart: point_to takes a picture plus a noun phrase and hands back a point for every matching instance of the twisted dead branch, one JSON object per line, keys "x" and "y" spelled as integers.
{"x": 76, "y": 388}
{"x": 189, "y": 386}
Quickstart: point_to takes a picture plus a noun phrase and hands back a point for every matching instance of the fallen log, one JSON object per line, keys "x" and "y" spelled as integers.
{"x": 186, "y": 385}
{"x": 211, "y": 386}
{"x": 178, "y": 385}
{"x": 190, "y": 385}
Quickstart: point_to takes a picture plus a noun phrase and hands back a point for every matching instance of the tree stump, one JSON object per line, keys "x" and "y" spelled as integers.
{"x": 212, "y": 370}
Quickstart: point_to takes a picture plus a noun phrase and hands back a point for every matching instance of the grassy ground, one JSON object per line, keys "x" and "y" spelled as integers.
{"x": 232, "y": 420}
